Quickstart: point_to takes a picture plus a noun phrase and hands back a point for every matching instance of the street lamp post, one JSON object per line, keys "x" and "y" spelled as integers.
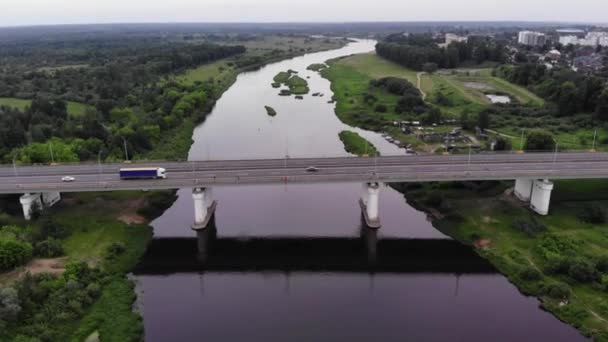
{"x": 15, "y": 166}
{"x": 555, "y": 155}
{"x": 469, "y": 162}
{"x": 52, "y": 155}
{"x": 594, "y": 138}
{"x": 124, "y": 142}
{"x": 99, "y": 165}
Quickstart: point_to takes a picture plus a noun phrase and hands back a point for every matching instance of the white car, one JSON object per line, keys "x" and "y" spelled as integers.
{"x": 68, "y": 179}
{"x": 312, "y": 169}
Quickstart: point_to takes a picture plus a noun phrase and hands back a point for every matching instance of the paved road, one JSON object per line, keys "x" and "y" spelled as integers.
{"x": 94, "y": 177}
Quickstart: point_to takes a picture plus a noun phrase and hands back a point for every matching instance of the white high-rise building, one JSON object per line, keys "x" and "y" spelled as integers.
{"x": 591, "y": 39}
{"x": 531, "y": 38}
{"x": 567, "y": 40}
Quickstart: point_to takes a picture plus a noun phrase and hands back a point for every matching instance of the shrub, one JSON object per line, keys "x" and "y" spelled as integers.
{"x": 10, "y": 305}
{"x": 115, "y": 249}
{"x": 582, "y": 270}
{"x": 381, "y": 108}
{"x": 50, "y": 248}
{"x": 14, "y": 253}
{"x": 557, "y": 290}
{"x": 434, "y": 199}
{"x": 530, "y": 227}
{"x": 592, "y": 213}
{"x": 530, "y": 273}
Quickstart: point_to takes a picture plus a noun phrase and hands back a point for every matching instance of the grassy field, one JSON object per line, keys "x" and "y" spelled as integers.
{"x": 349, "y": 84}
{"x": 580, "y": 139}
{"x": 375, "y": 67}
{"x": 293, "y": 45}
{"x": 473, "y": 216}
{"x": 74, "y": 108}
{"x": 356, "y": 144}
{"x": 221, "y": 72}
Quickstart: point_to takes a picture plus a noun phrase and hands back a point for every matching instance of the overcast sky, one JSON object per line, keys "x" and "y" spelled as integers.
{"x": 36, "y": 12}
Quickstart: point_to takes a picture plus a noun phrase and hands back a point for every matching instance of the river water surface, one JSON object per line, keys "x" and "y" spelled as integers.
{"x": 452, "y": 302}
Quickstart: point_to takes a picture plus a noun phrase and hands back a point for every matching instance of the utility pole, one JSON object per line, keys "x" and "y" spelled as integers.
{"x": 52, "y": 156}
{"x": 555, "y": 156}
{"x": 15, "y": 166}
{"x": 99, "y": 166}
{"x": 469, "y": 162}
{"x": 124, "y": 142}
{"x": 521, "y": 144}
{"x": 594, "y": 138}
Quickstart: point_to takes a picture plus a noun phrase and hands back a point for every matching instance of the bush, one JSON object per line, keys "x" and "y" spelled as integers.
{"x": 557, "y": 291}
{"x": 14, "y": 253}
{"x": 50, "y": 248}
{"x": 530, "y": 273}
{"x": 115, "y": 249}
{"x": 592, "y": 213}
{"x": 381, "y": 108}
{"x": 530, "y": 227}
{"x": 582, "y": 270}
{"x": 10, "y": 306}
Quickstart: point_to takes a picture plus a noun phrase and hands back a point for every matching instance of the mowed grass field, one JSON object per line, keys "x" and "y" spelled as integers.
{"x": 221, "y": 72}
{"x": 74, "y": 108}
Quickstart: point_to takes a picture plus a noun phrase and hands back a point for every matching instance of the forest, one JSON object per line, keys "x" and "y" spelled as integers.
{"x": 421, "y": 51}
{"x": 571, "y": 92}
{"x": 123, "y": 83}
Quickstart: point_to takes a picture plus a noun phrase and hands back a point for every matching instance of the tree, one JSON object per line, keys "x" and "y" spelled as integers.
{"x": 13, "y": 253}
{"x": 10, "y": 306}
{"x": 567, "y": 103}
{"x": 539, "y": 140}
{"x": 429, "y": 67}
{"x": 483, "y": 120}
{"x": 502, "y": 144}
{"x": 465, "y": 121}
{"x": 601, "y": 111}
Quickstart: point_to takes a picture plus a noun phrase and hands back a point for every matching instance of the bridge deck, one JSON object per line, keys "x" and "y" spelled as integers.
{"x": 104, "y": 177}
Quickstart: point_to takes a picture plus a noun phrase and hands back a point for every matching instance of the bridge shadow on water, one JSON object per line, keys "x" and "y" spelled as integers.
{"x": 366, "y": 254}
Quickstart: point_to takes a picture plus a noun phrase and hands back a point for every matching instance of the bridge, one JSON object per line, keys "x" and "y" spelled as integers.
{"x": 532, "y": 172}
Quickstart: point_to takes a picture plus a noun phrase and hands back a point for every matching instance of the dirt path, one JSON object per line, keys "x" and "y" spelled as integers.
{"x": 500, "y": 134}
{"x": 419, "y": 77}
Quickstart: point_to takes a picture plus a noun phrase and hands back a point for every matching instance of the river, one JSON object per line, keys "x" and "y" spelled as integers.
{"x": 451, "y": 301}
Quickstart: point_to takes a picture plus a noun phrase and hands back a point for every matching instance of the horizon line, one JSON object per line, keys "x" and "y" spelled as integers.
{"x": 337, "y": 22}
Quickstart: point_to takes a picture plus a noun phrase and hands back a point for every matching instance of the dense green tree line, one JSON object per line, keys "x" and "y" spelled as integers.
{"x": 417, "y": 51}
{"x": 99, "y": 73}
{"x": 570, "y": 91}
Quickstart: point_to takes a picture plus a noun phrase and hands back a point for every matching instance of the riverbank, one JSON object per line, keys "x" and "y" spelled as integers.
{"x": 560, "y": 259}
{"x": 86, "y": 287}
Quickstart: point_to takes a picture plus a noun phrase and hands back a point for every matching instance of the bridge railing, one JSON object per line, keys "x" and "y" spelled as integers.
{"x": 473, "y": 153}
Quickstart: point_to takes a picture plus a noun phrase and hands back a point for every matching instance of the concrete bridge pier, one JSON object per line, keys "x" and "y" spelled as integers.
{"x": 38, "y": 201}
{"x": 541, "y": 196}
{"x": 369, "y": 204}
{"x": 204, "y": 207}
{"x": 523, "y": 189}
{"x": 536, "y": 192}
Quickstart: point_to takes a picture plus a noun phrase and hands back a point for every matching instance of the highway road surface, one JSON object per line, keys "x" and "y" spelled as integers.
{"x": 105, "y": 177}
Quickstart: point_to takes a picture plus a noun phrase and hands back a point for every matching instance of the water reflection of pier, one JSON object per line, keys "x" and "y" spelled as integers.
{"x": 366, "y": 254}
